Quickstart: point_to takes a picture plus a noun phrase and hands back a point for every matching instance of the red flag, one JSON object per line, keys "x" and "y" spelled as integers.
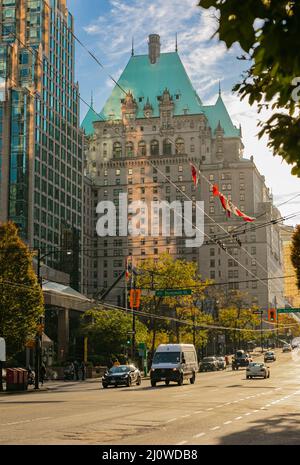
{"x": 245, "y": 217}
{"x": 225, "y": 204}
{"x": 194, "y": 174}
{"x": 215, "y": 190}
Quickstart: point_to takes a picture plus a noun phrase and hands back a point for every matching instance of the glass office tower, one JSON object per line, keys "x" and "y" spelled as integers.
{"x": 40, "y": 139}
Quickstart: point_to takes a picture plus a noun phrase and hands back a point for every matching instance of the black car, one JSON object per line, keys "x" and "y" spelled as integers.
{"x": 125, "y": 375}
{"x": 241, "y": 359}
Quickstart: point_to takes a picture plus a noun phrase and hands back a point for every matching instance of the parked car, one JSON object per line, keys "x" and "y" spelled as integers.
{"x": 255, "y": 369}
{"x": 270, "y": 356}
{"x": 241, "y": 359}
{"x": 125, "y": 375}
{"x": 209, "y": 364}
{"x": 221, "y": 363}
{"x": 287, "y": 348}
{"x": 174, "y": 362}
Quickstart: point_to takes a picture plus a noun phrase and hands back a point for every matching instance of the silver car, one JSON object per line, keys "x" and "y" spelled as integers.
{"x": 257, "y": 369}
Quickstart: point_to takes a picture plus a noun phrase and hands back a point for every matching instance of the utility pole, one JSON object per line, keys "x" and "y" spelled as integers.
{"x": 38, "y": 337}
{"x": 260, "y": 312}
{"x": 133, "y": 285}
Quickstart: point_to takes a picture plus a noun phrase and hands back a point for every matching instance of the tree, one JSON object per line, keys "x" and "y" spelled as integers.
{"x": 268, "y": 33}
{"x": 107, "y": 331}
{"x": 167, "y": 273}
{"x": 21, "y": 301}
{"x": 295, "y": 253}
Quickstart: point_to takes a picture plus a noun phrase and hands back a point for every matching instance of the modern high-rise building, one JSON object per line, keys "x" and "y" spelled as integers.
{"x": 41, "y": 161}
{"x": 291, "y": 291}
{"x": 151, "y": 128}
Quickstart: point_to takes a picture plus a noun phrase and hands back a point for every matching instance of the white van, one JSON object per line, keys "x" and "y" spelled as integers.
{"x": 174, "y": 362}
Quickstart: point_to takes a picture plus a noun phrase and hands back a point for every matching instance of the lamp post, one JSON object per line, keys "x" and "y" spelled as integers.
{"x": 39, "y": 334}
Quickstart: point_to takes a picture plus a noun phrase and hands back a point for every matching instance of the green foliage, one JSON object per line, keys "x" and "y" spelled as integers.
{"x": 107, "y": 331}
{"x": 167, "y": 273}
{"x": 268, "y": 33}
{"x": 295, "y": 253}
{"x": 21, "y": 298}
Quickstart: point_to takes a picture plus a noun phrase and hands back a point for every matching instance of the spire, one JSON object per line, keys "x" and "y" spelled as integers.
{"x": 132, "y": 47}
{"x": 219, "y": 88}
{"x": 92, "y": 100}
{"x": 176, "y": 44}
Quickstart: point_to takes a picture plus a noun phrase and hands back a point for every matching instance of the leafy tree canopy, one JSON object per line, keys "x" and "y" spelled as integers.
{"x": 268, "y": 33}
{"x": 21, "y": 298}
{"x": 295, "y": 253}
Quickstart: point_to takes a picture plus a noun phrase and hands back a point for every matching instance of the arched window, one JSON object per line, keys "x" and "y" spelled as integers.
{"x": 167, "y": 147}
{"x": 179, "y": 145}
{"x": 117, "y": 150}
{"x": 142, "y": 149}
{"x": 154, "y": 147}
{"x": 129, "y": 149}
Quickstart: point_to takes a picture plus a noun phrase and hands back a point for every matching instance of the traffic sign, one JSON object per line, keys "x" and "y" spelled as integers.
{"x": 258, "y": 312}
{"x": 172, "y": 292}
{"x": 288, "y": 310}
{"x": 2, "y": 350}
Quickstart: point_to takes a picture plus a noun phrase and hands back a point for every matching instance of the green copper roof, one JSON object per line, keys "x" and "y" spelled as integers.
{"x": 87, "y": 123}
{"x": 218, "y": 112}
{"x": 148, "y": 81}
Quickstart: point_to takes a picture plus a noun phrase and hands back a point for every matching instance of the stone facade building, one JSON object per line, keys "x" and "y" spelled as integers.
{"x": 151, "y": 128}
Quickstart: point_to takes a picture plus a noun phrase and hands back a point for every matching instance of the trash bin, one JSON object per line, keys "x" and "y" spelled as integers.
{"x": 11, "y": 379}
{"x": 22, "y": 379}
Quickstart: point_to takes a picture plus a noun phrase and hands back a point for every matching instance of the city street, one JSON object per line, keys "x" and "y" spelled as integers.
{"x": 221, "y": 408}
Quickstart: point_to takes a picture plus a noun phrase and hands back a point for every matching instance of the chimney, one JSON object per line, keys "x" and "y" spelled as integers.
{"x": 154, "y": 47}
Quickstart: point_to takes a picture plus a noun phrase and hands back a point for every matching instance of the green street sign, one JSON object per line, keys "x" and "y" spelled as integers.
{"x": 288, "y": 310}
{"x": 172, "y": 292}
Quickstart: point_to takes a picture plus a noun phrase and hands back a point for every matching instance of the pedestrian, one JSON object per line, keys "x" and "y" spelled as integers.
{"x": 82, "y": 369}
{"x": 42, "y": 373}
{"x": 76, "y": 369}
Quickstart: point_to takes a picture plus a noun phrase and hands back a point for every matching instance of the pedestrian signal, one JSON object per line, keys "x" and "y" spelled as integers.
{"x": 272, "y": 314}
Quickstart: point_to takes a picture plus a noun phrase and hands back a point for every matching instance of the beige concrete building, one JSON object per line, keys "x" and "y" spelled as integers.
{"x": 291, "y": 291}
{"x": 151, "y": 128}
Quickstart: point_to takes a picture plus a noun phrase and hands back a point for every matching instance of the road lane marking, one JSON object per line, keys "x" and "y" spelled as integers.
{"x": 181, "y": 443}
{"x": 199, "y": 435}
{"x": 211, "y": 408}
{"x": 238, "y": 418}
{"x": 256, "y": 411}
{"x": 248, "y": 413}
{"x": 198, "y": 411}
{"x": 172, "y": 419}
{"x": 227, "y": 422}
{"x": 213, "y": 429}
{"x": 185, "y": 416}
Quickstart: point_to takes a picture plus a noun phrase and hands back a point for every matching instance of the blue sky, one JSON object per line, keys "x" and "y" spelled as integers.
{"x": 106, "y": 27}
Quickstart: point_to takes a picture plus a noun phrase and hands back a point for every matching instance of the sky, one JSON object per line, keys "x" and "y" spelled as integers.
{"x": 106, "y": 28}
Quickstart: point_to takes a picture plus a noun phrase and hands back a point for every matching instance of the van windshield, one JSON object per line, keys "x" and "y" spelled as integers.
{"x": 166, "y": 357}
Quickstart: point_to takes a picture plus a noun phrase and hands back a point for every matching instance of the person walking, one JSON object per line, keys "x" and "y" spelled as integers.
{"x": 82, "y": 369}
{"x": 42, "y": 373}
{"x": 76, "y": 369}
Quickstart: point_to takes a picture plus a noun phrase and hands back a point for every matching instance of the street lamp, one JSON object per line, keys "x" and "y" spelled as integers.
{"x": 39, "y": 334}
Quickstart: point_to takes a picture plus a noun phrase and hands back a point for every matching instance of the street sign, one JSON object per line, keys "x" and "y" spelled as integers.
{"x": 172, "y": 292}
{"x": 288, "y": 310}
{"x": 258, "y": 312}
{"x": 2, "y": 350}
{"x": 130, "y": 332}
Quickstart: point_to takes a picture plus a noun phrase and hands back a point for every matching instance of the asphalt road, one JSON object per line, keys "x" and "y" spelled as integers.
{"x": 220, "y": 408}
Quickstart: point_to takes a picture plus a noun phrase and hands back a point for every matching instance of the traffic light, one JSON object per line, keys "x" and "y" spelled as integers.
{"x": 272, "y": 314}
{"x": 135, "y": 298}
{"x": 128, "y": 342}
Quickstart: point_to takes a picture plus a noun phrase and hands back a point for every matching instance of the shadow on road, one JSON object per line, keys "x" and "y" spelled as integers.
{"x": 32, "y": 402}
{"x": 278, "y": 429}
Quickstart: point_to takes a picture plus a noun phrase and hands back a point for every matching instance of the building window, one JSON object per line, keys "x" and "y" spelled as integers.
{"x": 142, "y": 150}
{"x": 212, "y": 263}
{"x": 211, "y": 177}
{"x": 130, "y": 171}
{"x": 212, "y": 252}
{"x": 129, "y": 149}
{"x": 179, "y": 146}
{"x": 154, "y": 147}
{"x": 117, "y": 150}
{"x": 167, "y": 147}
{"x": 211, "y": 209}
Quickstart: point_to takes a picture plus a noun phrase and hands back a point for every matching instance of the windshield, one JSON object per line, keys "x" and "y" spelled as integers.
{"x": 166, "y": 357}
{"x": 209, "y": 359}
{"x": 253, "y": 364}
{"x": 120, "y": 369}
